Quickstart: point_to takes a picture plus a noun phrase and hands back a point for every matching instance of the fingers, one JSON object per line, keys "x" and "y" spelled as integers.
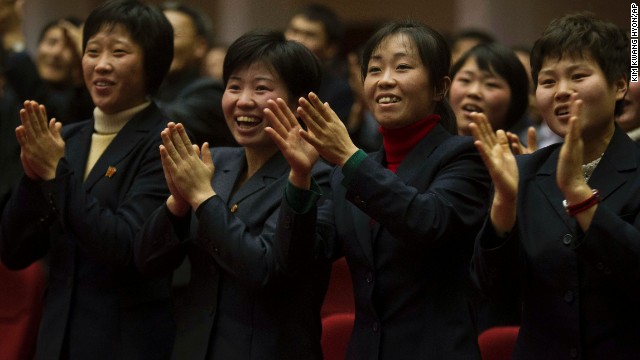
{"x": 167, "y": 142}
{"x": 207, "y": 159}
{"x": 279, "y": 119}
{"x": 181, "y": 140}
{"x": 532, "y": 139}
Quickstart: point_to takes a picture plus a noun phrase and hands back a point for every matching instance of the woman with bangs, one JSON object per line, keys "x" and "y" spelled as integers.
{"x": 404, "y": 217}
{"x": 249, "y": 295}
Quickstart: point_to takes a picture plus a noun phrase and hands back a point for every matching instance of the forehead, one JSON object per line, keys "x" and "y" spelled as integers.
{"x": 179, "y": 19}
{"x": 569, "y": 59}
{"x": 301, "y": 23}
{"x": 117, "y": 32}
{"x": 256, "y": 69}
{"x": 398, "y": 44}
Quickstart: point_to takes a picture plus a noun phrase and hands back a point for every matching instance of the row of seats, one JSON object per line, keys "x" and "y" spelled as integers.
{"x": 21, "y": 306}
{"x": 338, "y": 315}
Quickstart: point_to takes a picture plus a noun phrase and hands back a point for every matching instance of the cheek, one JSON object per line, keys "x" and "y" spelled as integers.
{"x": 456, "y": 94}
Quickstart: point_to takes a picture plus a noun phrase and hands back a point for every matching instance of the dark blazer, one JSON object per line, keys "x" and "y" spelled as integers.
{"x": 580, "y": 290}
{"x": 242, "y": 301}
{"x": 95, "y": 298}
{"x": 196, "y": 101}
{"x": 408, "y": 239}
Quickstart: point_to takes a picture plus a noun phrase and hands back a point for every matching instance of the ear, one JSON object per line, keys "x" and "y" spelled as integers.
{"x": 621, "y": 86}
{"x": 442, "y": 90}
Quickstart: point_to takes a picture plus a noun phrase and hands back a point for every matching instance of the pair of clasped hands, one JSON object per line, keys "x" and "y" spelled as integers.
{"x": 189, "y": 168}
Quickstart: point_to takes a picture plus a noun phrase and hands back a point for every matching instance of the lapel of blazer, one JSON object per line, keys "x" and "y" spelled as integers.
{"x": 227, "y": 171}
{"x": 607, "y": 178}
{"x": 415, "y": 161}
{"x": 617, "y": 164}
{"x": 81, "y": 143}
{"x": 273, "y": 169}
{"x": 126, "y": 140}
{"x": 546, "y": 182}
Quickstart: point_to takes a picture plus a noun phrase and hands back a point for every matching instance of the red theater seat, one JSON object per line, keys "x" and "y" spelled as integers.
{"x": 497, "y": 343}
{"x": 339, "y": 298}
{"x": 20, "y": 311}
{"x": 336, "y": 330}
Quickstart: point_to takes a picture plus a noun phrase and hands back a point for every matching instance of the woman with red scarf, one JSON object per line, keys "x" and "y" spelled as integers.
{"x": 406, "y": 216}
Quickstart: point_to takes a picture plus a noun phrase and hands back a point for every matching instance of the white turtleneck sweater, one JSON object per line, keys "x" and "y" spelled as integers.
{"x": 105, "y": 130}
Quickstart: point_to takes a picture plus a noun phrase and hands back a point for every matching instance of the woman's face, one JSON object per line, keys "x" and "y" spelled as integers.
{"x": 55, "y": 58}
{"x": 245, "y": 99}
{"x": 114, "y": 71}
{"x": 476, "y": 90}
{"x": 398, "y": 86}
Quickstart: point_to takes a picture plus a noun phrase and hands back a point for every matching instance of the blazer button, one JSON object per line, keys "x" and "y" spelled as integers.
{"x": 234, "y": 208}
{"x": 287, "y": 222}
{"x": 600, "y": 266}
{"x": 376, "y": 327}
{"x": 567, "y": 239}
{"x": 369, "y": 278}
{"x": 568, "y": 296}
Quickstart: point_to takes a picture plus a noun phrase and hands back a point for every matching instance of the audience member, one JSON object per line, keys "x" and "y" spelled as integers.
{"x": 465, "y": 39}
{"x": 55, "y": 78}
{"x": 489, "y": 79}
{"x": 87, "y": 190}
{"x": 249, "y": 295}
{"x": 187, "y": 95}
{"x": 321, "y": 30}
{"x": 404, "y": 217}
{"x": 629, "y": 118}
{"x": 563, "y": 228}
{"x": 214, "y": 62}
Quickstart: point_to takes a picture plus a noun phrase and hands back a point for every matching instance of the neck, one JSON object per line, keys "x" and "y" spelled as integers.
{"x": 257, "y": 157}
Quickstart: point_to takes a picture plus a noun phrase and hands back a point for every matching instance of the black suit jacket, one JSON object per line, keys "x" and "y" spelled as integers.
{"x": 408, "y": 239}
{"x": 95, "y": 297}
{"x": 196, "y": 101}
{"x": 243, "y": 300}
{"x": 580, "y": 290}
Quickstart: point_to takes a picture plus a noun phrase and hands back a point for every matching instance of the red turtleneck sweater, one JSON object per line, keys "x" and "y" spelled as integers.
{"x": 398, "y": 143}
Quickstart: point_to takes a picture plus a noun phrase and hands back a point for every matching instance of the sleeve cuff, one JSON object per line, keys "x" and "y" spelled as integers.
{"x": 302, "y": 200}
{"x": 350, "y": 167}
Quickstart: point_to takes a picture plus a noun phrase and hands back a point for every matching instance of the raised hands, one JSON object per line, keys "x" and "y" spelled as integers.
{"x": 188, "y": 170}
{"x": 285, "y": 131}
{"x": 326, "y": 132}
{"x": 501, "y": 163}
{"x": 41, "y": 145}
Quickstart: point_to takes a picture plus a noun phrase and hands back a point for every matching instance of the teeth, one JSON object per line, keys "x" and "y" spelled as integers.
{"x": 472, "y": 108}
{"x": 102, "y": 83}
{"x": 247, "y": 119}
{"x": 388, "y": 100}
{"x": 563, "y": 112}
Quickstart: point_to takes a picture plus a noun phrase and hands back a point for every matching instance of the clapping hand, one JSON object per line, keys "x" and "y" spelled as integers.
{"x": 41, "y": 145}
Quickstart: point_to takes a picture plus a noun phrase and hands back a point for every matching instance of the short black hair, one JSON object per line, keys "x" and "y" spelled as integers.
{"x": 434, "y": 53}
{"x": 297, "y": 66}
{"x": 148, "y": 27}
{"x": 200, "y": 20}
{"x": 333, "y": 26}
{"x": 583, "y": 35}
{"x": 502, "y": 61}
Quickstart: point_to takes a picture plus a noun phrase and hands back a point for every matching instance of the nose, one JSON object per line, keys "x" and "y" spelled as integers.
{"x": 245, "y": 99}
{"x": 474, "y": 90}
{"x": 563, "y": 91}
{"x": 387, "y": 79}
{"x": 103, "y": 64}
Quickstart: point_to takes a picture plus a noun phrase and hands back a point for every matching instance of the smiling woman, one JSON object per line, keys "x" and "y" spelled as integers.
{"x": 89, "y": 188}
{"x": 489, "y": 79}
{"x": 404, "y": 217}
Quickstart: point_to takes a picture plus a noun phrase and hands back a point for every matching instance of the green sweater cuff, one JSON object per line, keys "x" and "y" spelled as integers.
{"x": 302, "y": 200}
{"x": 350, "y": 167}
